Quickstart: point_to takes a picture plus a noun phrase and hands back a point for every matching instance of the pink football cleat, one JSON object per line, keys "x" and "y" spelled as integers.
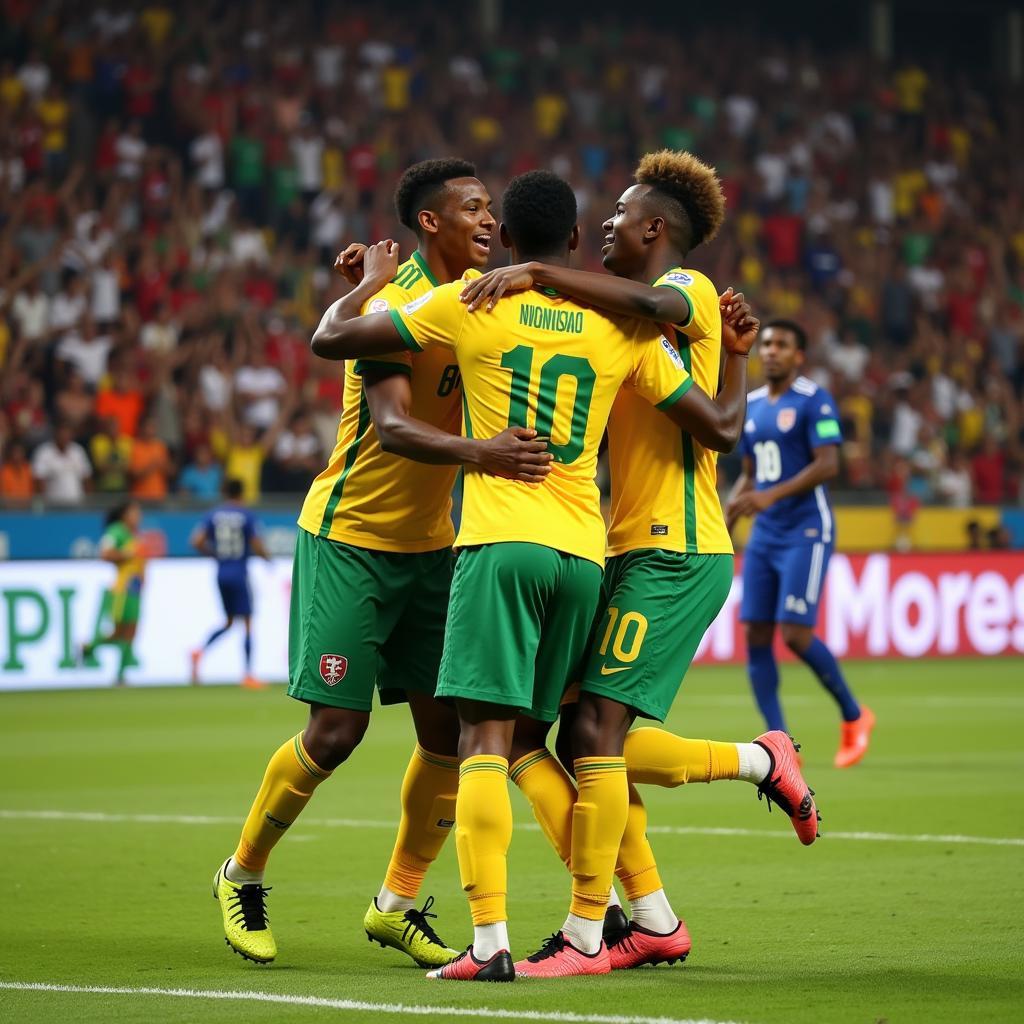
{"x": 785, "y": 785}
{"x": 559, "y": 958}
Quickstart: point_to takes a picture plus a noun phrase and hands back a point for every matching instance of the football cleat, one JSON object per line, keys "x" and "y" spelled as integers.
{"x": 244, "y": 910}
{"x": 252, "y": 683}
{"x": 466, "y": 967}
{"x": 194, "y": 659}
{"x": 854, "y": 738}
{"x": 616, "y": 924}
{"x": 409, "y": 931}
{"x": 559, "y": 958}
{"x": 785, "y": 786}
{"x": 640, "y": 946}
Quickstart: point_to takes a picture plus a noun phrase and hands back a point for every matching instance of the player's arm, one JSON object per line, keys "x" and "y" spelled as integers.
{"x": 615, "y": 294}
{"x": 259, "y": 548}
{"x": 718, "y": 423}
{"x": 823, "y": 467}
{"x": 200, "y": 539}
{"x": 744, "y": 484}
{"x": 513, "y": 453}
{"x": 343, "y": 333}
{"x": 111, "y": 552}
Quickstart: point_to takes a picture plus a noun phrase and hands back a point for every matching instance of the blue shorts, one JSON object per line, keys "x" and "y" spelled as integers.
{"x": 235, "y": 596}
{"x": 783, "y": 580}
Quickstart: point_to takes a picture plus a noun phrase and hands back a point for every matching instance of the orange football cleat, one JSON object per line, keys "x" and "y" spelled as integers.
{"x": 638, "y": 946}
{"x": 466, "y": 967}
{"x": 785, "y": 785}
{"x": 559, "y": 958}
{"x": 252, "y": 683}
{"x": 854, "y": 738}
{"x": 194, "y": 659}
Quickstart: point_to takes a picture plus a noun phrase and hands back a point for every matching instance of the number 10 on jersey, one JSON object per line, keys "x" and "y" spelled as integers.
{"x": 520, "y": 361}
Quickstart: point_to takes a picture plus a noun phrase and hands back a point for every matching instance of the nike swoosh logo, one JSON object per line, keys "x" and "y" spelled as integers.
{"x": 606, "y": 671}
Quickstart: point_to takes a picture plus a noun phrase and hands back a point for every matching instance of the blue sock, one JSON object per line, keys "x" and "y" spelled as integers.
{"x": 823, "y": 664}
{"x": 215, "y": 635}
{"x": 248, "y": 652}
{"x": 764, "y": 678}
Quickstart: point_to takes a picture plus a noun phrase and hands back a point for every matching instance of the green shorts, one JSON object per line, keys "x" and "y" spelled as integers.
{"x": 518, "y": 625}
{"x": 362, "y": 618}
{"x": 655, "y": 608}
{"x": 125, "y": 605}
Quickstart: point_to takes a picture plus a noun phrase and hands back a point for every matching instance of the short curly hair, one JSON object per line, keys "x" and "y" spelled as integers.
{"x": 420, "y": 187}
{"x": 538, "y": 209}
{"x": 684, "y": 180}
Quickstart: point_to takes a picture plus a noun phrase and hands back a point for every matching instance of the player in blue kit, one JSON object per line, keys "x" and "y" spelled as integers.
{"x": 229, "y": 534}
{"x": 790, "y": 447}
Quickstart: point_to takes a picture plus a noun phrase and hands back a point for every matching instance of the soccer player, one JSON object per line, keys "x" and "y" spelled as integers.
{"x": 790, "y": 450}
{"x": 371, "y": 579}
{"x": 670, "y": 562}
{"x": 120, "y": 546}
{"x": 528, "y": 579}
{"x": 229, "y": 534}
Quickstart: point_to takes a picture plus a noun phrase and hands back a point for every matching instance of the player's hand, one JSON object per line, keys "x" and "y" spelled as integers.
{"x": 749, "y": 503}
{"x": 739, "y": 325}
{"x": 495, "y": 283}
{"x": 380, "y": 261}
{"x": 349, "y": 262}
{"x": 516, "y": 454}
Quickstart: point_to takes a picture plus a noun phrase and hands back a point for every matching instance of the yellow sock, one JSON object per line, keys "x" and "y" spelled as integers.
{"x": 552, "y": 795}
{"x": 428, "y": 813}
{"x": 290, "y": 779}
{"x": 598, "y": 821}
{"x": 483, "y": 832}
{"x": 636, "y": 868}
{"x": 659, "y": 758}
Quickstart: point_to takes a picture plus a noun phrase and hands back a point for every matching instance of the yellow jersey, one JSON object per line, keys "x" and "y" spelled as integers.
{"x": 543, "y": 361}
{"x": 367, "y": 497}
{"x": 665, "y": 484}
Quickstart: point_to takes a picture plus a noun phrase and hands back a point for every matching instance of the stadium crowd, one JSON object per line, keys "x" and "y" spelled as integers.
{"x": 175, "y": 182}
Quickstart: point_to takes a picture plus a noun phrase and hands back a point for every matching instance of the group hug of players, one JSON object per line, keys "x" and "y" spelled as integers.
{"x": 516, "y": 376}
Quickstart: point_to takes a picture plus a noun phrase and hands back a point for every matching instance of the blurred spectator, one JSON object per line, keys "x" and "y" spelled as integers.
{"x": 202, "y": 477}
{"x": 17, "y": 485}
{"x": 74, "y": 403}
{"x": 260, "y": 388}
{"x": 86, "y": 351}
{"x": 296, "y": 458}
{"x": 121, "y": 400}
{"x": 150, "y": 464}
{"x": 61, "y": 468}
{"x": 954, "y": 484}
{"x": 988, "y": 468}
{"x": 111, "y": 451}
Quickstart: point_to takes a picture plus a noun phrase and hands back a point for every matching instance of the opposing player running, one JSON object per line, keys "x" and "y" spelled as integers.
{"x": 371, "y": 579}
{"x": 230, "y": 535}
{"x": 670, "y": 562}
{"x": 790, "y": 450}
{"x": 528, "y": 579}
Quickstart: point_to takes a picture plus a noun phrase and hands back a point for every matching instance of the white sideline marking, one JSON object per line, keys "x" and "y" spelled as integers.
{"x": 661, "y": 830}
{"x": 350, "y": 1004}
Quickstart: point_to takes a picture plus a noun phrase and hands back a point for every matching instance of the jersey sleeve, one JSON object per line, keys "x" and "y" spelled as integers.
{"x": 822, "y": 423}
{"x": 700, "y": 296}
{"x": 658, "y": 374}
{"x": 436, "y": 318}
{"x": 387, "y": 299}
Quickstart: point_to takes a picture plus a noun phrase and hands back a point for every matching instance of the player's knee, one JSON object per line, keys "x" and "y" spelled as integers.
{"x": 759, "y": 634}
{"x": 796, "y": 638}
{"x": 600, "y": 727}
{"x": 332, "y": 734}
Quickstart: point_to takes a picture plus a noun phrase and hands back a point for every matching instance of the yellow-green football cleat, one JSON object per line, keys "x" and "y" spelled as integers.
{"x": 409, "y": 931}
{"x": 246, "y": 925}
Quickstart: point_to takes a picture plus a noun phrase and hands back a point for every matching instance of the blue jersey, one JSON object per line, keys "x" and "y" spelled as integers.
{"x": 780, "y": 438}
{"x": 230, "y": 531}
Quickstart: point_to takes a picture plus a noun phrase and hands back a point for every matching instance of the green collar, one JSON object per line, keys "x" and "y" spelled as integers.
{"x": 417, "y": 258}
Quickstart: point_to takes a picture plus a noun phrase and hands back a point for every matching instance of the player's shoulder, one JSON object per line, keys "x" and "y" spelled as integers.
{"x": 757, "y": 394}
{"x": 685, "y": 277}
{"x": 805, "y": 387}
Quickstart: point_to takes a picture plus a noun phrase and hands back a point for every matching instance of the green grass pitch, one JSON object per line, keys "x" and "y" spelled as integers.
{"x": 865, "y": 929}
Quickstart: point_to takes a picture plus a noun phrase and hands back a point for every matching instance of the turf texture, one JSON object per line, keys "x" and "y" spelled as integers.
{"x": 865, "y": 929}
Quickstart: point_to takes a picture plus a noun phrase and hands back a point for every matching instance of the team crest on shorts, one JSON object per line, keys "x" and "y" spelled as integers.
{"x": 333, "y": 668}
{"x": 786, "y": 420}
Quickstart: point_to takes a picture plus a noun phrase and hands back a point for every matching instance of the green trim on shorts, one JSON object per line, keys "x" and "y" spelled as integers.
{"x": 518, "y": 624}
{"x": 655, "y": 608}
